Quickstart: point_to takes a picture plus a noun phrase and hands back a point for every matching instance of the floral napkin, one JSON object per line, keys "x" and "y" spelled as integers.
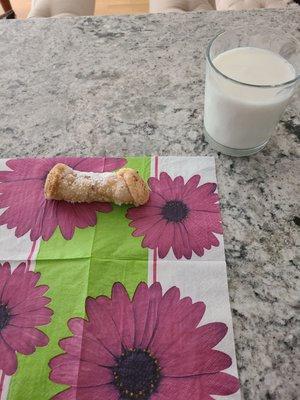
{"x": 101, "y": 302}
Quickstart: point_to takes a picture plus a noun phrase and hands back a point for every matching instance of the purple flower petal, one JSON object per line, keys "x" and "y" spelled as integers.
{"x": 178, "y": 183}
{"x": 197, "y": 388}
{"x": 166, "y": 240}
{"x": 81, "y": 373}
{"x": 181, "y": 242}
{"x": 122, "y": 314}
{"x": 87, "y": 349}
{"x": 8, "y": 359}
{"x": 143, "y": 224}
{"x": 188, "y": 364}
{"x": 191, "y": 185}
{"x": 24, "y": 340}
{"x": 103, "y": 392}
{"x": 30, "y": 304}
{"x": 145, "y": 306}
{"x": 220, "y": 384}
{"x": 155, "y": 296}
{"x": 153, "y": 234}
{"x": 32, "y": 318}
{"x": 76, "y": 326}
{"x": 102, "y": 325}
{"x": 4, "y": 276}
{"x": 201, "y": 339}
{"x": 165, "y": 187}
{"x": 141, "y": 301}
{"x": 142, "y": 212}
{"x": 62, "y": 359}
{"x": 170, "y": 330}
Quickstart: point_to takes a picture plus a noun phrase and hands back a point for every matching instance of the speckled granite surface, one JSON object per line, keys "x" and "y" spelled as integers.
{"x": 133, "y": 85}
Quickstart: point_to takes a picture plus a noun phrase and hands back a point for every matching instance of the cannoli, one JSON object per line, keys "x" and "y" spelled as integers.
{"x": 124, "y": 186}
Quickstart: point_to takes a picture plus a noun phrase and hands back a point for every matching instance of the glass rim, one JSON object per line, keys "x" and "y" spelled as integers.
{"x": 208, "y": 58}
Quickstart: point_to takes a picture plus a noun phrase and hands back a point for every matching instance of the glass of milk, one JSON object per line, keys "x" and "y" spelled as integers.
{"x": 250, "y": 79}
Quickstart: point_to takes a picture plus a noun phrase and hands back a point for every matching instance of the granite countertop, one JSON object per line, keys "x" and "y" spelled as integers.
{"x": 134, "y": 85}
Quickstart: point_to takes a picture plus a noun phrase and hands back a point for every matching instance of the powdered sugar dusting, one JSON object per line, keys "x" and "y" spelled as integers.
{"x": 83, "y": 179}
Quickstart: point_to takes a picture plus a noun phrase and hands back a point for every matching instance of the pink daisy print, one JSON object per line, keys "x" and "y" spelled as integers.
{"x": 181, "y": 216}
{"x": 22, "y": 309}
{"x": 147, "y": 348}
{"x": 22, "y": 194}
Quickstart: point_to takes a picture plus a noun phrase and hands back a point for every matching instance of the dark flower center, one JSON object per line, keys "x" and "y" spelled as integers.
{"x": 136, "y": 374}
{"x": 4, "y": 316}
{"x": 175, "y": 211}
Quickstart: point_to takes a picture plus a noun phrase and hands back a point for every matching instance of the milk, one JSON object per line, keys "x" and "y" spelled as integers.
{"x": 240, "y": 116}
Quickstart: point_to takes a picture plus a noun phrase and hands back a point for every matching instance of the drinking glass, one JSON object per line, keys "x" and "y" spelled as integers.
{"x": 239, "y": 117}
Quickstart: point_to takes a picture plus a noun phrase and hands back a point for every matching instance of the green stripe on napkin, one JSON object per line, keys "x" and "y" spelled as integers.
{"x": 87, "y": 265}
